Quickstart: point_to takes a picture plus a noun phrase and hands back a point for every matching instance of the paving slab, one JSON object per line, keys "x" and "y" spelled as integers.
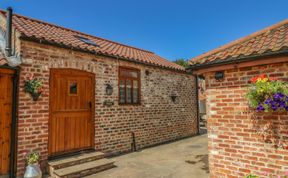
{"x": 187, "y": 158}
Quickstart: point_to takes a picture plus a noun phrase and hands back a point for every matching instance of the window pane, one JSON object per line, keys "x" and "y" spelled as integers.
{"x": 73, "y": 88}
{"x": 128, "y": 73}
{"x": 122, "y": 91}
{"x": 133, "y": 74}
{"x": 129, "y": 86}
{"x": 128, "y": 91}
{"x": 135, "y": 91}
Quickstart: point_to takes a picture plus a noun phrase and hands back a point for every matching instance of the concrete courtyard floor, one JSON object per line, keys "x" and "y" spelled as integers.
{"x": 186, "y": 158}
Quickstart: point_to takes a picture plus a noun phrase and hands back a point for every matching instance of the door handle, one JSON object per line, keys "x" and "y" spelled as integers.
{"x": 90, "y": 104}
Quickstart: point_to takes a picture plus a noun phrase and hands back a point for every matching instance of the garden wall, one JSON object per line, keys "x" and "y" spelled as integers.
{"x": 242, "y": 141}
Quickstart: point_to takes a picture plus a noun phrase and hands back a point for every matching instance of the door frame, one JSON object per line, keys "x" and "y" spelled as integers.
{"x": 14, "y": 125}
{"x": 92, "y": 148}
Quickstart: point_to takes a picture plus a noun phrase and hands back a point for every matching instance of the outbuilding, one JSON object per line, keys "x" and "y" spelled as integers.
{"x": 244, "y": 140}
{"x": 64, "y": 92}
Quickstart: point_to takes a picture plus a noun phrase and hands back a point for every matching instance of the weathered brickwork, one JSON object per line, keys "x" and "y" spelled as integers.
{"x": 242, "y": 141}
{"x": 156, "y": 120}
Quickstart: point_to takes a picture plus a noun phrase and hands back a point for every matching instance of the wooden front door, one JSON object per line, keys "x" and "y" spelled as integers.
{"x": 6, "y": 99}
{"x": 71, "y": 125}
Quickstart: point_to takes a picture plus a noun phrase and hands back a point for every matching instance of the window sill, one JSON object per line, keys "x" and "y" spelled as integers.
{"x": 129, "y": 104}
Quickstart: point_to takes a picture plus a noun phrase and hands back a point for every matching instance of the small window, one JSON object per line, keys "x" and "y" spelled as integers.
{"x": 128, "y": 91}
{"x": 73, "y": 90}
{"x": 129, "y": 86}
{"x": 122, "y": 91}
{"x": 87, "y": 41}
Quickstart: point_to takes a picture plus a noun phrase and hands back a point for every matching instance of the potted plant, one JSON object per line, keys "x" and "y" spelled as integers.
{"x": 268, "y": 94}
{"x": 34, "y": 87}
{"x": 33, "y": 169}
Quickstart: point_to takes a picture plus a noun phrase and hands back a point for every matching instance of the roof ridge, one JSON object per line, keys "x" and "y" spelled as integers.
{"x": 241, "y": 40}
{"x": 76, "y": 31}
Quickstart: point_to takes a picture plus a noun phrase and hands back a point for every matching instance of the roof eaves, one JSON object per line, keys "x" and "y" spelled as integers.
{"x": 242, "y": 58}
{"x": 239, "y": 41}
{"x": 44, "y": 41}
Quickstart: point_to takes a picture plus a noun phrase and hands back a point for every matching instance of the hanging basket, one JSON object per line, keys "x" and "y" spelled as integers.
{"x": 35, "y": 96}
{"x": 34, "y": 87}
{"x": 267, "y": 94}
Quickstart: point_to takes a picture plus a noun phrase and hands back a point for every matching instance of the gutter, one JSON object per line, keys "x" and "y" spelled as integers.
{"x": 237, "y": 60}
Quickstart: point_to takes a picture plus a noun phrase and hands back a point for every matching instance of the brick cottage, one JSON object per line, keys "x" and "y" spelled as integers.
{"x": 242, "y": 141}
{"x": 97, "y": 95}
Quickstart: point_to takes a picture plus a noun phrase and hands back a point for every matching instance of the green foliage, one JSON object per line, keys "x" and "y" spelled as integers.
{"x": 263, "y": 90}
{"x": 32, "y": 158}
{"x": 33, "y": 86}
{"x": 251, "y": 176}
{"x": 182, "y": 62}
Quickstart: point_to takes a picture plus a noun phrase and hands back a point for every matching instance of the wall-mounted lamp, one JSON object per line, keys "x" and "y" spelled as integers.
{"x": 147, "y": 72}
{"x": 109, "y": 89}
{"x": 219, "y": 75}
{"x": 173, "y": 97}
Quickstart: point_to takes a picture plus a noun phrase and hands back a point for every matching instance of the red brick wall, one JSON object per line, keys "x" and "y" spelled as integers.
{"x": 156, "y": 120}
{"x": 242, "y": 141}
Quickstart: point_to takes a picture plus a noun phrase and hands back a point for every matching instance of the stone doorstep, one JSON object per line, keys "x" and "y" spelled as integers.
{"x": 84, "y": 169}
{"x": 73, "y": 160}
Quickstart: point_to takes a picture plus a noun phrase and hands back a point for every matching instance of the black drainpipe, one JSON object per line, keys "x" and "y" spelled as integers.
{"x": 8, "y": 49}
{"x": 13, "y": 147}
{"x": 197, "y": 104}
{"x": 9, "y": 32}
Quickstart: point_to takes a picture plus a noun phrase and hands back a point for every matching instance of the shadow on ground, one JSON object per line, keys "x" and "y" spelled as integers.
{"x": 201, "y": 159}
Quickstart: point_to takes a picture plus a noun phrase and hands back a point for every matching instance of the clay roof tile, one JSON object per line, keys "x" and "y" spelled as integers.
{"x": 273, "y": 38}
{"x": 32, "y": 28}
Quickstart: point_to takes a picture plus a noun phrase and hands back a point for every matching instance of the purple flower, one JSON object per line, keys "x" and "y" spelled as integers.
{"x": 282, "y": 104}
{"x": 274, "y": 108}
{"x": 278, "y": 96}
{"x": 268, "y": 101}
{"x": 279, "y": 101}
{"x": 260, "y": 108}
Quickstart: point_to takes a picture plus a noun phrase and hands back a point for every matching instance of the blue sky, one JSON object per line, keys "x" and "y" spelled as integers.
{"x": 171, "y": 28}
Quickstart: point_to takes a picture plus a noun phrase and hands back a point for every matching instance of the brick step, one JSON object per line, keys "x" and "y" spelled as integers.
{"x": 74, "y": 160}
{"x": 84, "y": 169}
